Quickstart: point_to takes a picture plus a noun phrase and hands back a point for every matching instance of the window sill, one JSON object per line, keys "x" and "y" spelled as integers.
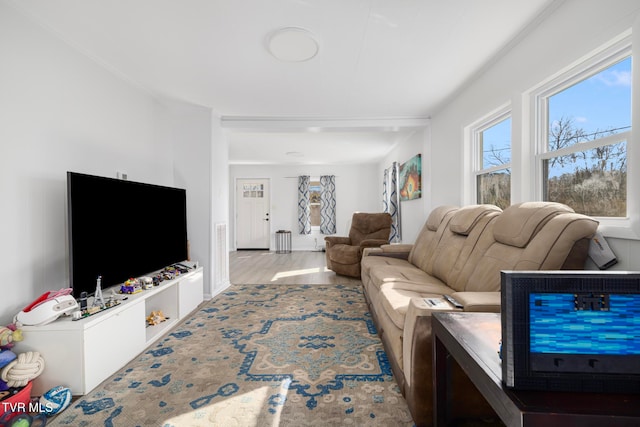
{"x": 623, "y": 228}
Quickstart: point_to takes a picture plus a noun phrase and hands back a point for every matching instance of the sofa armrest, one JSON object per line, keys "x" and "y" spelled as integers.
{"x": 479, "y": 301}
{"x": 400, "y": 251}
{"x": 397, "y": 247}
{"x": 417, "y": 332}
{"x": 417, "y": 350}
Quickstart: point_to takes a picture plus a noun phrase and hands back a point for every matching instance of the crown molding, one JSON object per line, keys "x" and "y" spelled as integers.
{"x": 321, "y": 124}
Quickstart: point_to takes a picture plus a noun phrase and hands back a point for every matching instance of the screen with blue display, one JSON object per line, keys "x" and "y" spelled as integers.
{"x": 556, "y": 326}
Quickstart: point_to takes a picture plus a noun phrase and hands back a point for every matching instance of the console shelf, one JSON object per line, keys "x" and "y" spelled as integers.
{"x": 81, "y": 354}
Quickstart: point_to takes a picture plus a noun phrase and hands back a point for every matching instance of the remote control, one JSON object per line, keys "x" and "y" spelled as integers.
{"x": 454, "y": 302}
{"x": 436, "y": 303}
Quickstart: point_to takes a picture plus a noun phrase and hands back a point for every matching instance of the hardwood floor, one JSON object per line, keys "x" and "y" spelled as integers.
{"x": 295, "y": 268}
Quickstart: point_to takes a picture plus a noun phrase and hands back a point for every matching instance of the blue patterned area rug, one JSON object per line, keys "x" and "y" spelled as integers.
{"x": 257, "y": 355}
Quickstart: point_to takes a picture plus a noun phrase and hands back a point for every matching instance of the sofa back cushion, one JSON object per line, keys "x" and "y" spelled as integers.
{"x": 430, "y": 235}
{"x": 521, "y": 222}
{"x": 459, "y": 237}
{"x": 526, "y": 236}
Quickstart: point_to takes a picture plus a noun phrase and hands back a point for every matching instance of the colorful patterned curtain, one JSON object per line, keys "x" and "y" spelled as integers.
{"x": 304, "y": 210}
{"x": 390, "y": 201}
{"x": 328, "y": 204}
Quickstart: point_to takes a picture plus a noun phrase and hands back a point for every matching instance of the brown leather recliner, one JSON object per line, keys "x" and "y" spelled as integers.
{"x": 368, "y": 230}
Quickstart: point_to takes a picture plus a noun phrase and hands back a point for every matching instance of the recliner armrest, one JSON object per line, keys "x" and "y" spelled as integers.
{"x": 337, "y": 240}
{"x": 372, "y": 243}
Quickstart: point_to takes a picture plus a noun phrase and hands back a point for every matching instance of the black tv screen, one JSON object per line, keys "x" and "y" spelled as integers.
{"x": 122, "y": 229}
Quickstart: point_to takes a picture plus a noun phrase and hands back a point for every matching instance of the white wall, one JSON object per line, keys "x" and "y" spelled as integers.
{"x": 357, "y": 189}
{"x": 575, "y": 28}
{"x": 413, "y": 212}
{"x": 59, "y": 112}
{"x": 219, "y": 202}
{"x": 188, "y": 130}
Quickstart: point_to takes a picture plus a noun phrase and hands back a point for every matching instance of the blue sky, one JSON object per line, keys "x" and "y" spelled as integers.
{"x": 600, "y": 102}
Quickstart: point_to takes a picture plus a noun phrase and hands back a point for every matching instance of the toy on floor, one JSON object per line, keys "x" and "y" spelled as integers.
{"x": 22, "y": 419}
{"x": 6, "y": 357}
{"x": 9, "y": 335}
{"x": 55, "y": 400}
{"x": 156, "y": 317}
{"x": 22, "y": 369}
{"x": 15, "y": 404}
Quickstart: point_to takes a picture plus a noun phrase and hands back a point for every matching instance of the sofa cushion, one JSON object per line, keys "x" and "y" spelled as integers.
{"x": 395, "y": 298}
{"x": 437, "y": 216}
{"x": 548, "y": 249}
{"x": 433, "y": 287}
{"x": 519, "y": 223}
{"x": 399, "y": 273}
{"x": 431, "y": 233}
{"x": 458, "y": 239}
{"x": 466, "y": 218}
{"x": 395, "y": 303}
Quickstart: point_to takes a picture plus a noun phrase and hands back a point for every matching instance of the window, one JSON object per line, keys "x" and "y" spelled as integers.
{"x": 252, "y": 191}
{"x": 491, "y": 139}
{"x": 314, "y": 201}
{"x": 584, "y": 124}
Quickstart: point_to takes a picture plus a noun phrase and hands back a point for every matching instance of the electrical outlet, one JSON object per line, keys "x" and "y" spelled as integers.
{"x": 121, "y": 175}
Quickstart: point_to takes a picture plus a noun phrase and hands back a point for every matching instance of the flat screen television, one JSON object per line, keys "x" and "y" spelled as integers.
{"x": 571, "y": 331}
{"x": 121, "y": 229}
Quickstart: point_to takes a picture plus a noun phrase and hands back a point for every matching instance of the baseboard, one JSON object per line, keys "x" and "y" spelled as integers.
{"x": 217, "y": 292}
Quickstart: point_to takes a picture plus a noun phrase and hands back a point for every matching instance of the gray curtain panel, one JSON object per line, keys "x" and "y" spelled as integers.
{"x": 391, "y": 202}
{"x": 304, "y": 210}
{"x": 328, "y": 204}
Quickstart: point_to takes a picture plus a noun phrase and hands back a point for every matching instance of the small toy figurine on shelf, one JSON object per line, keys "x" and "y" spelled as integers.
{"x": 155, "y": 318}
{"x": 9, "y": 335}
{"x": 98, "y": 301}
{"x": 147, "y": 282}
{"x": 131, "y": 286}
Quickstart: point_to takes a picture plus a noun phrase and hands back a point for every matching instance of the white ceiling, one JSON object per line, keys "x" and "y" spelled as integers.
{"x": 392, "y": 59}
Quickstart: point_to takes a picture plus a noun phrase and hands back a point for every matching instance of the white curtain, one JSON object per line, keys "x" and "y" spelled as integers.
{"x": 390, "y": 201}
{"x": 328, "y": 204}
{"x": 304, "y": 209}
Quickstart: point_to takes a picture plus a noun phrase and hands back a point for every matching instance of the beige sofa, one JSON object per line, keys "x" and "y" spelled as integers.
{"x": 460, "y": 252}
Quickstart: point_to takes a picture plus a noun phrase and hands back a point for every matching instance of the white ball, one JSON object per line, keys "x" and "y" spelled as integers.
{"x": 55, "y": 400}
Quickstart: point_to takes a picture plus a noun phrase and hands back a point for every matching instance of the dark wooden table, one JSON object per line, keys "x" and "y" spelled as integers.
{"x": 472, "y": 339}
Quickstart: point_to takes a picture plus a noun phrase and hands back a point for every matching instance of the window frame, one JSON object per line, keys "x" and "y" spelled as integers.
{"x": 474, "y": 153}
{"x": 617, "y": 50}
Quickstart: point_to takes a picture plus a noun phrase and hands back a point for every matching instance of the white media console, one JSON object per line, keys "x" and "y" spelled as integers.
{"x": 81, "y": 354}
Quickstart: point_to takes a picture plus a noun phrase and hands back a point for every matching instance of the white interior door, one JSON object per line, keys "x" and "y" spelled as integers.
{"x": 253, "y": 230}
